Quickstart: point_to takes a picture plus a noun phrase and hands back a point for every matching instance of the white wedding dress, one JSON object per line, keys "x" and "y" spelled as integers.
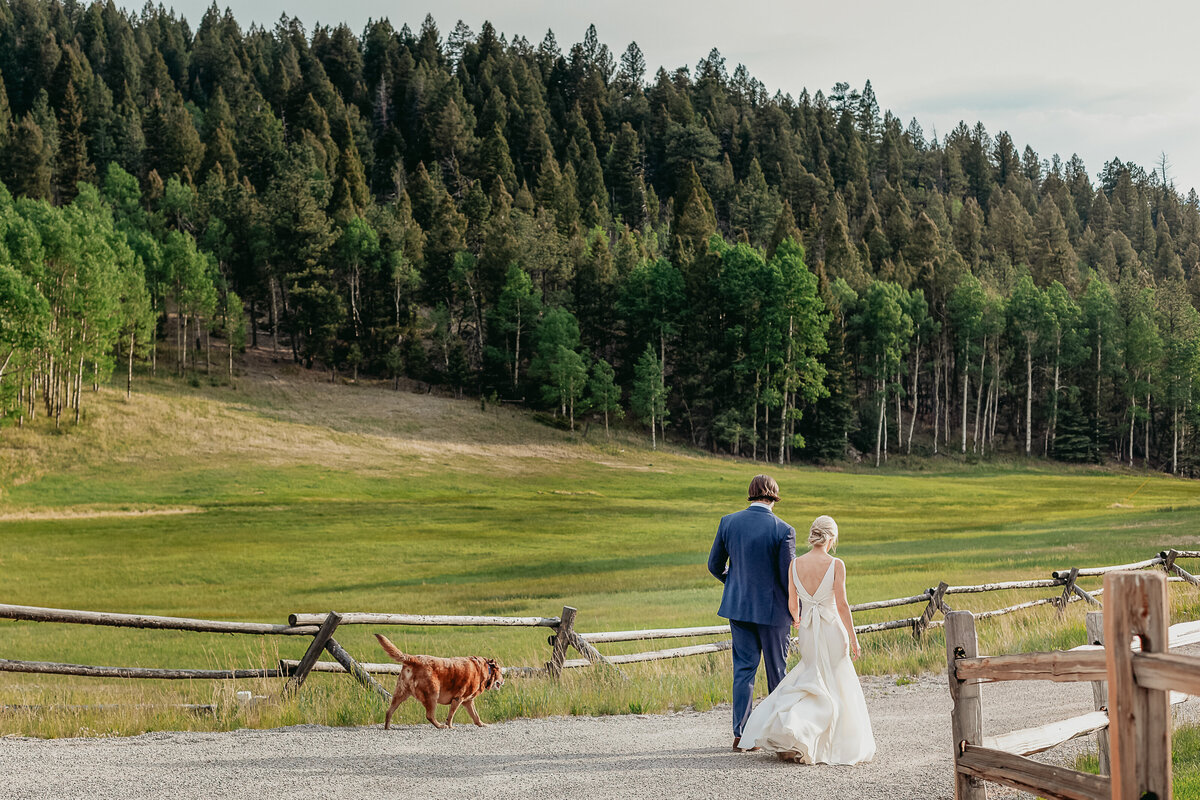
{"x": 817, "y": 711}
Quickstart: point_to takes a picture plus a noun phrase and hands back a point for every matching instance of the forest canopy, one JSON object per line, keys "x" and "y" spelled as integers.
{"x": 766, "y": 275}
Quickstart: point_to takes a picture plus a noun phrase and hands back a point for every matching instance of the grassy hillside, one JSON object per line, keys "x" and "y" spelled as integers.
{"x": 287, "y": 494}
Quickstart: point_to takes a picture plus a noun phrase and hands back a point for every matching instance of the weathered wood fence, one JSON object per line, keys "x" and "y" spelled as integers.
{"x": 1132, "y": 690}
{"x": 563, "y": 637}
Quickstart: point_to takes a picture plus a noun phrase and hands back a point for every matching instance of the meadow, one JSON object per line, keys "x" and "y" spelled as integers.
{"x": 286, "y": 493}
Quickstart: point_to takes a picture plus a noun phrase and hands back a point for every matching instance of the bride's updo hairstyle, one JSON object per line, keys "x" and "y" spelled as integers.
{"x": 824, "y": 531}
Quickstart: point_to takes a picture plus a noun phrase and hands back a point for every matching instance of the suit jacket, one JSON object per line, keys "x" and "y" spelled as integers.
{"x": 751, "y": 555}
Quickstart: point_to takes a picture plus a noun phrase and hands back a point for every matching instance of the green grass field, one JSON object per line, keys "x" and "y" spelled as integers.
{"x": 290, "y": 494}
{"x": 1185, "y": 761}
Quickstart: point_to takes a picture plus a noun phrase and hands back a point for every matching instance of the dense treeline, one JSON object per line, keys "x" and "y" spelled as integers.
{"x": 770, "y": 276}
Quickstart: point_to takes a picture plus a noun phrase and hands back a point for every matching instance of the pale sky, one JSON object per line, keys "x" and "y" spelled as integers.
{"x": 1099, "y": 78}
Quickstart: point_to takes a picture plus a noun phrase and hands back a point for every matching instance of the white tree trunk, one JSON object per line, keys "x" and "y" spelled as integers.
{"x": 937, "y": 403}
{"x": 879, "y": 425}
{"x": 1028, "y": 398}
{"x": 1054, "y": 400}
{"x": 912, "y": 423}
{"x": 966, "y": 380}
{"x": 129, "y": 377}
{"x": 1149, "y": 417}
{"x": 1132, "y": 425}
{"x": 1175, "y": 443}
{"x": 517, "y": 347}
{"x": 979, "y": 397}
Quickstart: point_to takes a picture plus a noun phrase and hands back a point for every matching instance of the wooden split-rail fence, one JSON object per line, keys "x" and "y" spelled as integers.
{"x": 562, "y": 638}
{"x": 1135, "y": 680}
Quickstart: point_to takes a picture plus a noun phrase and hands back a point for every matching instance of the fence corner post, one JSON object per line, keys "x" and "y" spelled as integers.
{"x": 1139, "y": 718}
{"x": 565, "y": 627}
{"x": 323, "y": 634}
{"x": 1095, "y": 636}
{"x": 936, "y": 603}
{"x": 1068, "y": 590}
{"x": 966, "y": 716}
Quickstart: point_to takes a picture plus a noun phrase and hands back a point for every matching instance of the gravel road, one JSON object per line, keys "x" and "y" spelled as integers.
{"x": 682, "y": 755}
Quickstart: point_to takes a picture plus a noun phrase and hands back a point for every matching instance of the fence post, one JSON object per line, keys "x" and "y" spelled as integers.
{"x": 1095, "y": 636}
{"x": 935, "y": 603}
{"x": 1068, "y": 590}
{"x": 313, "y": 652}
{"x": 966, "y": 716}
{"x": 566, "y": 625}
{"x": 1139, "y": 719}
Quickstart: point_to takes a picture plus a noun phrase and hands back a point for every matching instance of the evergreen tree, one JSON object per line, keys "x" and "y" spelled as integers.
{"x": 1053, "y": 257}
{"x": 73, "y": 164}
{"x": 827, "y": 429}
{"x": 694, "y": 222}
{"x": 28, "y": 162}
{"x": 842, "y": 258}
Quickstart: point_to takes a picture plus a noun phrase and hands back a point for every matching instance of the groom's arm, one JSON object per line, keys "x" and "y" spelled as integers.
{"x": 787, "y": 552}
{"x": 718, "y": 558}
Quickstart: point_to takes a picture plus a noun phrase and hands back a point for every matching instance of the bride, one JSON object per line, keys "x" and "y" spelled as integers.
{"x": 817, "y": 714}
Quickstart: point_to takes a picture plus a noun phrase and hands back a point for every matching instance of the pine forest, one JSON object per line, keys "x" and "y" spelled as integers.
{"x": 780, "y": 277}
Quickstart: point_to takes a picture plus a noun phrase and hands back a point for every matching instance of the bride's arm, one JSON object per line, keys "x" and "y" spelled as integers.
{"x": 843, "y": 607}
{"x": 793, "y": 597}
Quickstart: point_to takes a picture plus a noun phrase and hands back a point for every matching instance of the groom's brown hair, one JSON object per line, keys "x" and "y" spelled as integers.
{"x": 764, "y": 488}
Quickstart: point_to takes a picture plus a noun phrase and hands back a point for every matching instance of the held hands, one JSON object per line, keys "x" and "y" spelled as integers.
{"x": 796, "y": 623}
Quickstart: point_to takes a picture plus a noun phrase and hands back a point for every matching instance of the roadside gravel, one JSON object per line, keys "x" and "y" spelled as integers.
{"x": 683, "y": 755}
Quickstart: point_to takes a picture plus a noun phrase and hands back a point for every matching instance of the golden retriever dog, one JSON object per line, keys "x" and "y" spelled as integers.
{"x": 445, "y": 681}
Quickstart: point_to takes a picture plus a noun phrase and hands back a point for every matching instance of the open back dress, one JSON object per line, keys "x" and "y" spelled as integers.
{"x": 817, "y": 712}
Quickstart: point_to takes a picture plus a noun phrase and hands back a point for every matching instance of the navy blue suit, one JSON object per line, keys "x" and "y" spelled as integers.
{"x": 752, "y": 555}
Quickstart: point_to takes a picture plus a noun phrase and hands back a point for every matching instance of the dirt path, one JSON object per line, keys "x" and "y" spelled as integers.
{"x": 675, "y": 755}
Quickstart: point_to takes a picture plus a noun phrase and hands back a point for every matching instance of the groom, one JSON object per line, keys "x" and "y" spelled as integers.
{"x": 751, "y": 556}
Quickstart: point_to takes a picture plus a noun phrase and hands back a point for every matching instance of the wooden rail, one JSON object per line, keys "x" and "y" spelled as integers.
{"x": 36, "y": 614}
{"x": 425, "y": 619}
{"x": 1060, "y": 665}
{"x": 656, "y": 633}
{"x": 1095, "y": 571}
{"x": 1028, "y": 741}
{"x": 90, "y": 671}
{"x": 659, "y": 655}
{"x": 1136, "y": 717}
{"x": 322, "y": 625}
{"x": 1027, "y": 775}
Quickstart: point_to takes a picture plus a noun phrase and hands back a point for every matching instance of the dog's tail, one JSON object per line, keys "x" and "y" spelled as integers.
{"x": 391, "y": 649}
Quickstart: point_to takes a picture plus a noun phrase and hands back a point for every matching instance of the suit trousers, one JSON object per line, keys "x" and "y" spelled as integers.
{"x": 752, "y": 641}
